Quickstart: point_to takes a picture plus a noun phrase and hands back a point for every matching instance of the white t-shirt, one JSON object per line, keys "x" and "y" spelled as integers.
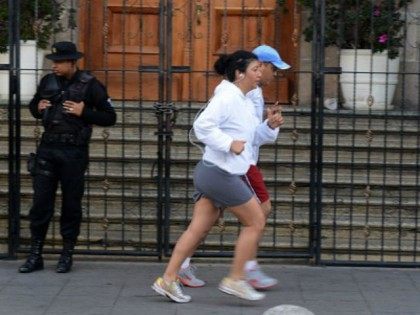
{"x": 257, "y": 98}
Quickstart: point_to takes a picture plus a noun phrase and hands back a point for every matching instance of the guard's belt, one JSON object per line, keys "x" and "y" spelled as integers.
{"x": 62, "y": 138}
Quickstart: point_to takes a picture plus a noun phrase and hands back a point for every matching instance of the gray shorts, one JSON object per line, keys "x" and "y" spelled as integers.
{"x": 221, "y": 187}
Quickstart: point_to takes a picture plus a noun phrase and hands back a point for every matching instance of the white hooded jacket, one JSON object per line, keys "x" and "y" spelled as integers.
{"x": 264, "y": 133}
{"x": 229, "y": 116}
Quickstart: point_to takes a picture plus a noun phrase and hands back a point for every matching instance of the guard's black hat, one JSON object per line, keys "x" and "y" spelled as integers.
{"x": 64, "y": 51}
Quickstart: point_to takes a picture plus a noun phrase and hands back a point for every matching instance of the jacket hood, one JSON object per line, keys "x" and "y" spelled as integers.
{"x": 226, "y": 85}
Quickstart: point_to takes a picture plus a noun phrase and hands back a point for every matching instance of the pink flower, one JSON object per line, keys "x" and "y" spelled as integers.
{"x": 376, "y": 11}
{"x": 383, "y": 38}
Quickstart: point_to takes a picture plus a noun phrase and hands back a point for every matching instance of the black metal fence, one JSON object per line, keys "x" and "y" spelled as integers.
{"x": 368, "y": 166}
{"x": 343, "y": 175}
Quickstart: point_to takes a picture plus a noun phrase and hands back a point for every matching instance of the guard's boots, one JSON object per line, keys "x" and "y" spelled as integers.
{"x": 66, "y": 258}
{"x": 34, "y": 261}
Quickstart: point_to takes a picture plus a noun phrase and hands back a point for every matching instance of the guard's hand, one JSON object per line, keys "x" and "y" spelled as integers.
{"x": 274, "y": 116}
{"x": 74, "y": 108}
{"x": 237, "y": 146}
{"x": 43, "y": 104}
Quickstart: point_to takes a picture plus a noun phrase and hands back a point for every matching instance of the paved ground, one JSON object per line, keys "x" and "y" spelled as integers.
{"x": 124, "y": 288}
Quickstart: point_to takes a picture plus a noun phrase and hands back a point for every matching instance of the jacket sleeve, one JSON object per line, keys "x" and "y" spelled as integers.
{"x": 33, "y": 104}
{"x": 206, "y": 127}
{"x": 264, "y": 134}
{"x": 99, "y": 110}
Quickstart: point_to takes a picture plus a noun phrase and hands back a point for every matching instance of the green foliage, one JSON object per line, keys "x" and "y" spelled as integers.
{"x": 361, "y": 24}
{"x": 39, "y": 20}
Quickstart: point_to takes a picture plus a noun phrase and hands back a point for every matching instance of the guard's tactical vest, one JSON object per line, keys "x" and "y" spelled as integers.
{"x": 55, "y": 118}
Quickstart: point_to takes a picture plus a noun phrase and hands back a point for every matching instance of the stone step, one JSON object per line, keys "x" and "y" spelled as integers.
{"x": 136, "y": 112}
{"x": 360, "y": 150}
{"x": 143, "y": 204}
{"x": 278, "y": 153}
{"x": 340, "y": 124}
{"x": 279, "y": 173}
{"x": 340, "y": 193}
{"x": 335, "y": 236}
{"x": 395, "y": 138}
{"x": 143, "y": 116}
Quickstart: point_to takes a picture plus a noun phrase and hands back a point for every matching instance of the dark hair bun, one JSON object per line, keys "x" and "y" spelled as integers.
{"x": 221, "y": 64}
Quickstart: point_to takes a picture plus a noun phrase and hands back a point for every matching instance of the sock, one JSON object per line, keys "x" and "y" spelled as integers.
{"x": 186, "y": 263}
{"x": 250, "y": 265}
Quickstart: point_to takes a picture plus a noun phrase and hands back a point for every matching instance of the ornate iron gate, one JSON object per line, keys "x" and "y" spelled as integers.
{"x": 344, "y": 184}
{"x": 12, "y": 112}
{"x": 367, "y": 194}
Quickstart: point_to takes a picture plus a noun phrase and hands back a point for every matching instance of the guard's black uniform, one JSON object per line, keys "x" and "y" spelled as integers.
{"x": 62, "y": 155}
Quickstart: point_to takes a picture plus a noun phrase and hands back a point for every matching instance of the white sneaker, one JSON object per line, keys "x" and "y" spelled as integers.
{"x": 258, "y": 279}
{"x": 241, "y": 289}
{"x": 188, "y": 278}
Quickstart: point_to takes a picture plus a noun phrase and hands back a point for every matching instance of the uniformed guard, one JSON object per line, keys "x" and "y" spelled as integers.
{"x": 69, "y": 102}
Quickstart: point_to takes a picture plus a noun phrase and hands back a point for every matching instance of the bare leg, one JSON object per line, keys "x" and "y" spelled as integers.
{"x": 266, "y": 207}
{"x": 204, "y": 216}
{"x": 252, "y": 217}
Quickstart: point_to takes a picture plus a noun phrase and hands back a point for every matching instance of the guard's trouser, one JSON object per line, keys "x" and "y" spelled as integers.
{"x": 64, "y": 164}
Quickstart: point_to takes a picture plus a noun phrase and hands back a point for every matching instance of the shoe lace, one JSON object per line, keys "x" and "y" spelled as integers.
{"x": 246, "y": 287}
{"x": 177, "y": 288}
{"x": 190, "y": 271}
{"x": 257, "y": 273}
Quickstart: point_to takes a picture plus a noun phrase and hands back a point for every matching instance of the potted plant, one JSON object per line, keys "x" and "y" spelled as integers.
{"x": 369, "y": 35}
{"x": 39, "y": 21}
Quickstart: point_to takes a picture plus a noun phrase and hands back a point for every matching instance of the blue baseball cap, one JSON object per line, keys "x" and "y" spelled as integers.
{"x": 266, "y": 53}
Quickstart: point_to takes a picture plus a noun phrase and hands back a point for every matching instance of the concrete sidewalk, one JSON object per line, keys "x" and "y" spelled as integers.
{"x": 124, "y": 288}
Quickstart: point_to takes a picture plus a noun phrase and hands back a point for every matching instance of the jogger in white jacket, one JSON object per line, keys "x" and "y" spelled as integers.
{"x": 229, "y": 129}
{"x": 270, "y": 63}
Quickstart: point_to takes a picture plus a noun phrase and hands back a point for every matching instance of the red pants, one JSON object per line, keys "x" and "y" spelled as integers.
{"x": 256, "y": 180}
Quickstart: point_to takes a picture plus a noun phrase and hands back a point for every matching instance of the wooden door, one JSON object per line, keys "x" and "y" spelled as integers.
{"x": 120, "y": 37}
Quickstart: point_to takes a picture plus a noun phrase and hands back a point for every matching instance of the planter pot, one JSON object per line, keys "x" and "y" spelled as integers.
{"x": 30, "y": 58}
{"x": 363, "y": 90}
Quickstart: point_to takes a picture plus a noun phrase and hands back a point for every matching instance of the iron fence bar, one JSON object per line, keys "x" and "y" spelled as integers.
{"x": 314, "y": 215}
{"x": 312, "y": 163}
{"x": 275, "y": 208}
{"x": 320, "y": 127}
{"x": 141, "y": 229}
{"x": 4, "y": 67}
{"x": 167, "y": 125}
{"x": 160, "y": 126}
{"x": 169, "y": 115}
{"x": 87, "y": 196}
{"x": 401, "y": 140}
{"x": 417, "y": 198}
{"x": 14, "y": 127}
{"x": 370, "y": 264}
